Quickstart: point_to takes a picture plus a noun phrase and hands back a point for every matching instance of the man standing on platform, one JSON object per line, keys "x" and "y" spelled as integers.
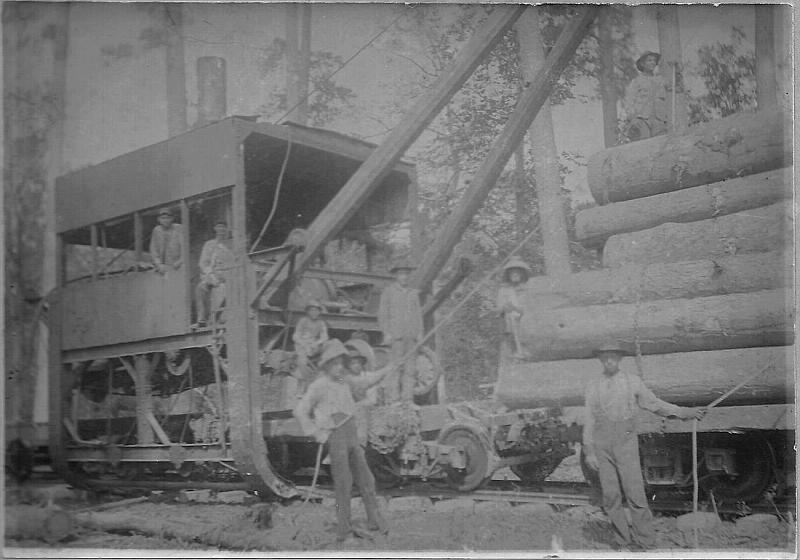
{"x": 166, "y": 243}
{"x": 611, "y": 443}
{"x": 216, "y": 260}
{"x": 400, "y": 320}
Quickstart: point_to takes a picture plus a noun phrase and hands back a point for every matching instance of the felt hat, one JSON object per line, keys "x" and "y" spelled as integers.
{"x": 611, "y": 347}
{"x": 314, "y": 303}
{"x": 400, "y": 264}
{"x": 358, "y": 348}
{"x": 516, "y": 263}
{"x": 333, "y": 349}
{"x": 166, "y": 212}
{"x": 640, "y": 60}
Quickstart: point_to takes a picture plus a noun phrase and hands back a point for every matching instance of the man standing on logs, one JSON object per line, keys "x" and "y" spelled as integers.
{"x": 611, "y": 444}
{"x": 648, "y": 99}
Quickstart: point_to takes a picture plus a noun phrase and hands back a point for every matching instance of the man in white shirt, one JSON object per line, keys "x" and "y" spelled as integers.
{"x": 216, "y": 260}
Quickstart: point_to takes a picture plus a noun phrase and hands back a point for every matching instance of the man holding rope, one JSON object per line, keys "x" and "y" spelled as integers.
{"x": 327, "y": 412}
{"x": 611, "y": 444}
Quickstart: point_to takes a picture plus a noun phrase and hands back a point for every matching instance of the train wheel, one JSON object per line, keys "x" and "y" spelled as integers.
{"x": 428, "y": 372}
{"x": 753, "y": 473}
{"x": 477, "y": 458}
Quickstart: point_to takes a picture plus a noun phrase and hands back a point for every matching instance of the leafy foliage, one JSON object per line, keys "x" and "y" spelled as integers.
{"x": 728, "y": 73}
{"x": 327, "y": 99}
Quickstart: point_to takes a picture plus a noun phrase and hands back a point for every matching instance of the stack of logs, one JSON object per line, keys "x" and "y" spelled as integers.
{"x": 696, "y": 239}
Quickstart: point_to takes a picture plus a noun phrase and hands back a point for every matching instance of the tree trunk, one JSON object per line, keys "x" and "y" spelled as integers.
{"x": 660, "y": 327}
{"x": 35, "y": 48}
{"x": 292, "y": 56}
{"x": 594, "y": 226}
{"x": 738, "y": 145}
{"x": 303, "y": 63}
{"x": 671, "y": 65}
{"x": 627, "y": 284}
{"x": 176, "y": 70}
{"x": 766, "y": 84}
{"x": 757, "y": 230}
{"x": 687, "y": 379}
{"x": 608, "y": 91}
{"x": 545, "y": 163}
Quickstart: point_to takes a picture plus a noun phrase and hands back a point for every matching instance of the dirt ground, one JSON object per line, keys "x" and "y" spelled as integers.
{"x": 457, "y": 526}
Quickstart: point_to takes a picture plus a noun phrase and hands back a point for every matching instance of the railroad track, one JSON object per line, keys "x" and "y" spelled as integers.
{"x": 565, "y": 494}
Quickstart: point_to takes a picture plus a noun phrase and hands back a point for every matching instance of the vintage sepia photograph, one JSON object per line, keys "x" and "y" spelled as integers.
{"x": 398, "y": 280}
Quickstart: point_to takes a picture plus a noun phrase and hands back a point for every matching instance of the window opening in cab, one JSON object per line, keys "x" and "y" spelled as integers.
{"x": 78, "y": 254}
{"x": 116, "y": 250}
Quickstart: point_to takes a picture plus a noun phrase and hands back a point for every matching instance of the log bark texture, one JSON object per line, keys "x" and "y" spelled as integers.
{"x": 680, "y": 325}
{"x": 594, "y": 226}
{"x": 734, "y": 146}
{"x": 687, "y": 379}
{"x": 627, "y": 284}
{"x": 758, "y": 230}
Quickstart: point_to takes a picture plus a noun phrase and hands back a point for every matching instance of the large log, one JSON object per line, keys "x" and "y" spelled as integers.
{"x": 594, "y": 226}
{"x": 679, "y": 325}
{"x": 758, "y": 230}
{"x": 738, "y": 145}
{"x": 750, "y": 272}
{"x": 688, "y": 379}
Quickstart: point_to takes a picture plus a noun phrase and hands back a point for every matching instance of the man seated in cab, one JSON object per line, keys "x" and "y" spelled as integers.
{"x": 327, "y": 412}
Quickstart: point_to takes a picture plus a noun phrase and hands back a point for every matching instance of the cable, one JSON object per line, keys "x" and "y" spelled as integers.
{"x": 472, "y": 292}
{"x": 278, "y": 187}
{"x": 345, "y": 63}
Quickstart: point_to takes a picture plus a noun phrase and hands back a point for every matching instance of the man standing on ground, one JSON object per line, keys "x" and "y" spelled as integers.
{"x": 400, "y": 321}
{"x": 611, "y": 443}
{"x": 166, "y": 243}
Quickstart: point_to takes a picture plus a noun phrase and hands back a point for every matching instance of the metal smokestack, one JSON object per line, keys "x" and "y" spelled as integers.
{"x": 211, "y": 89}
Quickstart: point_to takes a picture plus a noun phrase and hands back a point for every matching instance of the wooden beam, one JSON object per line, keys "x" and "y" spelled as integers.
{"x": 366, "y": 179}
{"x": 608, "y": 90}
{"x": 518, "y": 123}
{"x": 669, "y": 41}
{"x": 464, "y": 268}
{"x": 766, "y": 83}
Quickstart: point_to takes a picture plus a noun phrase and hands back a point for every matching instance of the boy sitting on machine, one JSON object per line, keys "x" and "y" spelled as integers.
{"x": 310, "y": 334}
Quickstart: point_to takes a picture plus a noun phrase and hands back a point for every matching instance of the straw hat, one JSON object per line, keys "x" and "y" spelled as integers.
{"x": 358, "y": 348}
{"x": 333, "y": 349}
{"x": 640, "y": 60}
{"x": 516, "y": 263}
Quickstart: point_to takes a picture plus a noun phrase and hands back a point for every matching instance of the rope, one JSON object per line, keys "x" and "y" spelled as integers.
{"x": 278, "y": 187}
{"x": 712, "y": 404}
{"x": 472, "y": 292}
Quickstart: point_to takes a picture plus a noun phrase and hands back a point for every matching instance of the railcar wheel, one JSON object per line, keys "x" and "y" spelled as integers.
{"x": 428, "y": 372}
{"x": 753, "y": 473}
{"x": 476, "y": 472}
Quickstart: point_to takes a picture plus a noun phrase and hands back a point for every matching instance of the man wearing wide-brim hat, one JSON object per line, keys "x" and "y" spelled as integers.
{"x": 648, "y": 99}
{"x": 611, "y": 444}
{"x": 327, "y": 412}
{"x": 515, "y": 273}
{"x": 400, "y": 321}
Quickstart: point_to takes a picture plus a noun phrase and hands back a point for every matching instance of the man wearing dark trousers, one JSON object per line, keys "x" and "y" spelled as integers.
{"x": 611, "y": 443}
